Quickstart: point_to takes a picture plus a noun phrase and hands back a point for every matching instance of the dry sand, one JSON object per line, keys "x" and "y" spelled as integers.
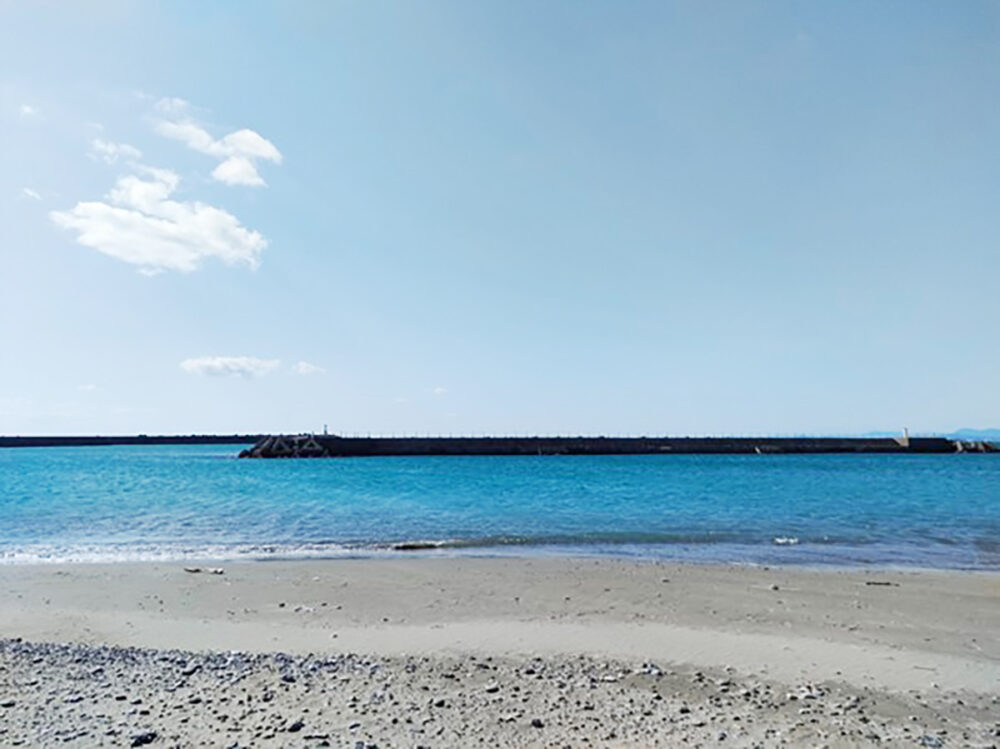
{"x": 455, "y": 652}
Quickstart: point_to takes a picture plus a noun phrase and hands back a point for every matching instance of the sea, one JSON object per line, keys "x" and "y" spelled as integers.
{"x": 179, "y": 502}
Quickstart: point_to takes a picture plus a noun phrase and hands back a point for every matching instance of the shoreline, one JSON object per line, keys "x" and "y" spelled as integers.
{"x": 491, "y": 554}
{"x": 900, "y": 654}
{"x": 780, "y": 553}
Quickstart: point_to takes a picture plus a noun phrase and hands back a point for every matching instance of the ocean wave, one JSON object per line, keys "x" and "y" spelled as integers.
{"x": 167, "y": 503}
{"x": 113, "y": 553}
{"x": 694, "y": 547}
{"x": 625, "y": 538}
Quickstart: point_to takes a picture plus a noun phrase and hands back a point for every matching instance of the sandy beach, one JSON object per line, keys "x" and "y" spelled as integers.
{"x": 452, "y": 652}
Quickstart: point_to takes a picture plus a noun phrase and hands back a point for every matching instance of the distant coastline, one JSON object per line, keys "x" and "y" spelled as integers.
{"x": 312, "y": 445}
{"x": 137, "y": 439}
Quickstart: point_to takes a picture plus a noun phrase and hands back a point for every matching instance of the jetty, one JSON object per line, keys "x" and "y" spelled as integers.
{"x": 129, "y": 439}
{"x": 334, "y": 446}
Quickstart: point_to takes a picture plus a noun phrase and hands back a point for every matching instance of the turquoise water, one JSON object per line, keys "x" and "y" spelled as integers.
{"x": 170, "y": 502}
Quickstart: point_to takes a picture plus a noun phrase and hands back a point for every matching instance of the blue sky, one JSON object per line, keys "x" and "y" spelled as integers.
{"x": 499, "y": 217}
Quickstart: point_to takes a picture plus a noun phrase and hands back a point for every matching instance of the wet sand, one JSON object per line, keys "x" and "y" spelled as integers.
{"x": 619, "y": 653}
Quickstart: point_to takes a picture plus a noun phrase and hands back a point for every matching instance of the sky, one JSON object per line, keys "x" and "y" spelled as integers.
{"x": 563, "y": 217}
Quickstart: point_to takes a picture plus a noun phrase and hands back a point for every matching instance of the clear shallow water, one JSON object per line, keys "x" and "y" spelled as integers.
{"x": 169, "y": 502}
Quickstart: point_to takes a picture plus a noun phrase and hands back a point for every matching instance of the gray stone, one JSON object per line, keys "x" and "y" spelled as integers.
{"x": 141, "y": 739}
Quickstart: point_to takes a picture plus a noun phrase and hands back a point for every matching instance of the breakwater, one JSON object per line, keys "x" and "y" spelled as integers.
{"x": 320, "y": 446}
{"x": 134, "y": 439}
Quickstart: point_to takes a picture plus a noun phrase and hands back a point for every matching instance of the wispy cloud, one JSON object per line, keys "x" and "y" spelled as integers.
{"x": 305, "y": 368}
{"x": 238, "y": 152}
{"x": 26, "y": 110}
{"x": 229, "y": 366}
{"x": 87, "y": 388}
{"x": 171, "y": 105}
{"x": 439, "y": 391}
{"x": 139, "y": 224}
{"x": 110, "y": 152}
{"x": 29, "y": 193}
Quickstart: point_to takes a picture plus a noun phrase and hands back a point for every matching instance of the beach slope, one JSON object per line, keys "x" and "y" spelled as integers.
{"x": 498, "y": 651}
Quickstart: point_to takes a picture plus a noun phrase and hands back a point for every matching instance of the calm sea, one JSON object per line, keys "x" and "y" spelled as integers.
{"x": 152, "y": 502}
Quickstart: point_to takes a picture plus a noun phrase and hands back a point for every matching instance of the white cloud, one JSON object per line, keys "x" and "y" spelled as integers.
{"x": 229, "y": 366}
{"x": 26, "y": 110}
{"x": 305, "y": 368}
{"x": 238, "y": 170}
{"x": 439, "y": 391}
{"x": 172, "y": 105}
{"x": 111, "y": 152}
{"x": 141, "y": 225}
{"x": 29, "y": 193}
{"x": 238, "y": 151}
{"x": 88, "y": 388}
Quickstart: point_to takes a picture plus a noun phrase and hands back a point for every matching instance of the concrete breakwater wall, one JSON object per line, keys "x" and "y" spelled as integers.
{"x": 308, "y": 446}
{"x": 134, "y": 439}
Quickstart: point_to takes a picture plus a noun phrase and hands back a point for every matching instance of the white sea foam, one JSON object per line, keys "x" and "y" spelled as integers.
{"x": 168, "y": 553}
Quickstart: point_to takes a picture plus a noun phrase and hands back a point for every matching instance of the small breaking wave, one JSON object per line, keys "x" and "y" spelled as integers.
{"x": 715, "y": 547}
{"x": 785, "y": 541}
{"x": 117, "y": 553}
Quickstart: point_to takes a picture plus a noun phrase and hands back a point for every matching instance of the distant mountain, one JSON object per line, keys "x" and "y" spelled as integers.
{"x": 969, "y": 435}
{"x": 990, "y": 435}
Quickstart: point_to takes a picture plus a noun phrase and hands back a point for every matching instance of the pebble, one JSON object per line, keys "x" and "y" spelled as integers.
{"x": 577, "y": 700}
{"x": 141, "y": 739}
